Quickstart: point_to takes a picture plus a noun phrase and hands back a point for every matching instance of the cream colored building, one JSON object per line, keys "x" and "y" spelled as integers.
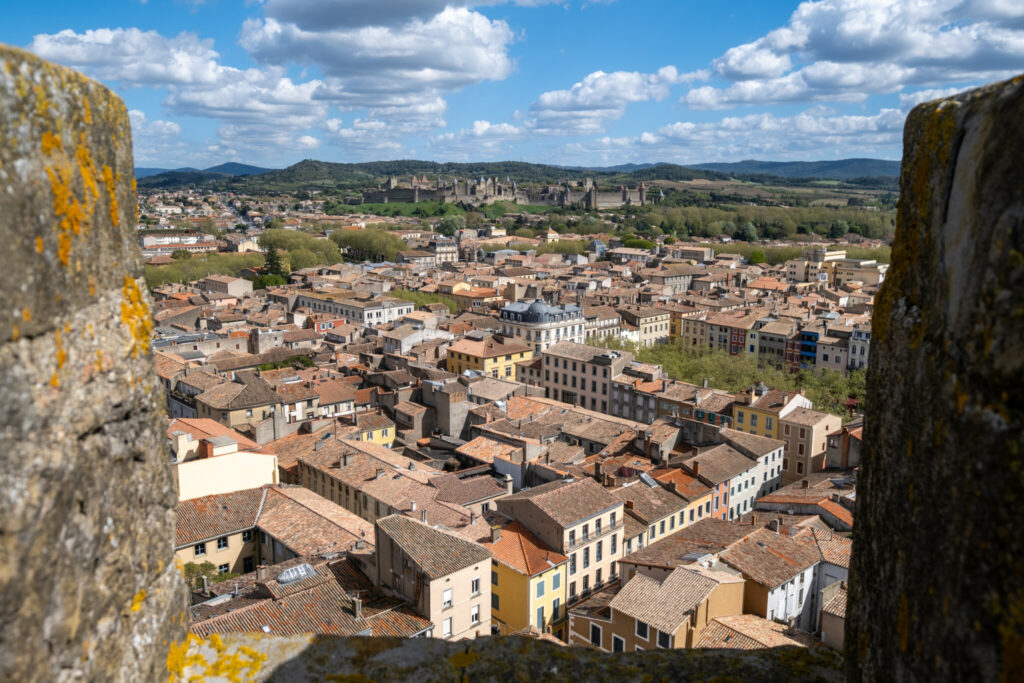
{"x": 217, "y": 466}
{"x": 805, "y": 432}
{"x": 446, "y": 577}
{"x": 651, "y": 323}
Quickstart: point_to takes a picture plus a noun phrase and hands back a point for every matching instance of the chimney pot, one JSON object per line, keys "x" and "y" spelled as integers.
{"x": 696, "y": 468}
{"x": 261, "y": 572}
{"x": 472, "y": 517}
{"x": 423, "y": 516}
{"x": 804, "y": 484}
{"x": 495, "y": 533}
{"x": 357, "y": 607}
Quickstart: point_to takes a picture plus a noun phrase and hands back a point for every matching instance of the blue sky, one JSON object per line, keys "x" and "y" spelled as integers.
{"x": 595, "y": 82}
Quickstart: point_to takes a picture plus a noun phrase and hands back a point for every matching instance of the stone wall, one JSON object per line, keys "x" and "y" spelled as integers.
{"x": 937, "y": 576}
{"x": 88, "y": 587}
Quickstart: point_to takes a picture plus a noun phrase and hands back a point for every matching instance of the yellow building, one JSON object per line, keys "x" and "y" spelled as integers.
{"x": 527, "y": 580}
{"x": 373, "y": 427}
{"x": 764, "y": 410}
{"x": 495, "y": 356}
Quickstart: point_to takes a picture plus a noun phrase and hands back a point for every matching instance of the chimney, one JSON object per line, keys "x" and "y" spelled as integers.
{"x": 495, "y": 533}
{"x": 379, "y": 473}
{"x": 472, "y": 517}
{"x": 508, "y": 483}
{"x": 261, "y": 572}
{"x": 695, "y": 466}
{"x": 629, "y": 505}
{"x": 774, "y": 525}
{"x": 318, "y": 445}
{"x": 412, "y": 465}
{"x": 423, "y": 516}
{"x": 234, "y": 592}
{"x": 206, "y": 586}
{"x": 673, "y": 487}
{"x": 705, "y": 383}
{"x": 357, "y": 607}
{"x": 753, "y": 519}
{"x": 804, "y": 484}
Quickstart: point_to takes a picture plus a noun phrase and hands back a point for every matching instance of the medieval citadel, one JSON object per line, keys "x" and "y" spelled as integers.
{"x": 583, "y": 194}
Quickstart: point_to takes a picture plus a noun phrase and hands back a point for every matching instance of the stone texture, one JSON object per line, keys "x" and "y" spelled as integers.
{"x": 937, "y": 575}
{"x": 88, "y": 586}
{"x": 297, "y": 660}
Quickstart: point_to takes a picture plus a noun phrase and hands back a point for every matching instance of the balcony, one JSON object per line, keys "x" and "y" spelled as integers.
{"x": 590, "y": 538}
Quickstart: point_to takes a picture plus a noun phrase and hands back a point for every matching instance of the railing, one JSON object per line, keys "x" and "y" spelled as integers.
{"x": 590, "y": 538}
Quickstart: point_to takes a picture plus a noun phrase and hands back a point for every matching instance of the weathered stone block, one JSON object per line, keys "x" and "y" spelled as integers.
{"x": 88, "y": 586}
{"x": 937, "y": 576}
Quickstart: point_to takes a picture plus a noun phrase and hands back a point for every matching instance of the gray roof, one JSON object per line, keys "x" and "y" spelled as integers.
{"x": 540, "y": 312}
{"x": 439, "y": 553}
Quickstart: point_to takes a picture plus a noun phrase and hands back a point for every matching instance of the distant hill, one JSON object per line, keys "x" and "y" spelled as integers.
{"x": 235, "y": 168}
{"x": 145, "y": 172}
{"x": 842, "y": 169}
{"x": 311, "y": 174}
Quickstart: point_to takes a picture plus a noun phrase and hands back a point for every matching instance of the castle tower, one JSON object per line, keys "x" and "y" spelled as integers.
{"x": 643, "y": 193}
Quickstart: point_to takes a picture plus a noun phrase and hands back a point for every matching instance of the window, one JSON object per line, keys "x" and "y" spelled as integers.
{"x": 540, "y": 617}
{"x": 597, "y": 527}
{"x": 474, "y": 614}
{"x": 767, "y": 423}
{"x": 586, "y": 531}
{"x": 739, "y": 417}
{"x": 650, "y": 533}
{"x": 555, "y": 604}
{"x": 572, "y": 537}
{"x": 800, "y": 449}
{"x": 799, "y": 468}
{"x": 556, "y": 582}
{"x": 597, "y": 577}
{"x": 446, "y": 629}
{"x": 661, "y": 528}
{"x": 641, "y": 630}
{"x": 248, "y": 564}
{"x": 446, "y": 598}
{"x": 572, "y": 564}
{"x": 572, "y": 590}
{"x": 753, "y": 420}
{"x": 494, "y": 577}
{"x": 223, "y": 569}
{"x": 618, "y": 644}
{"x": 595, "y": 635}
{"x": 494, "y": 601}
{"x": 246, "y": 535}
{"x": 475, "y": 586}
{"x": 785, "y": 429}
{"x": 802, "y": 432}
{"x": 200, "y": 549}
{"x": 664, "y": 640}
{"x": 611, "y": 520}
{"x": 613, "y": 544}
{"x": 540, "y": 588}
{"x": 800, "y": 599}
{"x": 222, "y": 543}
{"x": 586, "y": 557}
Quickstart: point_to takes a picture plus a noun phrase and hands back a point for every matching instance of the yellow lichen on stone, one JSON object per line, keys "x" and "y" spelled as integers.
{"x": 26, "y": 314}
{"x": 62, "y": 355}
{"x": 135, "y": 316}
{"x": 39, "y": 245}
{"x": 50, "y": 143}
{"x": 137, "y": 600}
{"x": 86, "y": 168}
{"x": 108, "y": 179}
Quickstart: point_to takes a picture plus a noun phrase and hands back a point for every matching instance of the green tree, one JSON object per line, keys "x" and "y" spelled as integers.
{"x": 448, "y": 225}
{"x": 264, "y": 281}
{"x": 273, "y": 264}
{"x": 756, "y": 256}
{"x": 194, "y": 574}
{"x": 181, "y": 254}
